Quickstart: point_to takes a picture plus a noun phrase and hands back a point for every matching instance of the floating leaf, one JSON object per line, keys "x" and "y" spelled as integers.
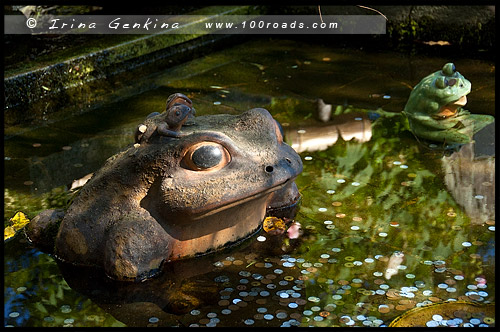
{"x": 274, "y": 225}
{"x": 19, "y": 221}
{"x": 8, "y": 233}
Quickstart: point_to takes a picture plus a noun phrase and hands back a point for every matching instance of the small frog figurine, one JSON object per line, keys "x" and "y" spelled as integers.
{"x": 178, "y": 110}
{"x": 434, "y": 108}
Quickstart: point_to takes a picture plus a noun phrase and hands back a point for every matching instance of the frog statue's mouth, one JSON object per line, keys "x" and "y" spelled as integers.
{"x": 285, "y": 201}
{"x": 451, "y": 109}
{"x": 282, "y": 201}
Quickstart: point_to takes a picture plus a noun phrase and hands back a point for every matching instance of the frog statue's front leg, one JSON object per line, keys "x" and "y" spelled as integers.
{"x": 455, "y": 129}
{"x": 163, "y": 130}
{"x": 135, "y": 248}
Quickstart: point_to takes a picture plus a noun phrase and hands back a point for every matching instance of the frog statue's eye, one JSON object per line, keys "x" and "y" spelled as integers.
{"x": 441, "y": 82}
{"x": 452, "y": 82}
{"x": 449, "y": 69}
{"x": 206, "y": 156}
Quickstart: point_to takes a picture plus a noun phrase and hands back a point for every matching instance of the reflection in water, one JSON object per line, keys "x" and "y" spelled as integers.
{"x": 471, "y": 178}
{"x": 239, "y": 286}
{"x": 393, "y": 264}
{"x": 320, "y": 137}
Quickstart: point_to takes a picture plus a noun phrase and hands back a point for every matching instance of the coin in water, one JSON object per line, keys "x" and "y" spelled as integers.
{"x": 475, "y": 321}
{"x": 281, "y": 315}
{"x": 383, "y": 309}
{"x": 242, "y": 304}
{"x": 300, "y": 301}
{"x": 437, "y": 318}
{"x": 223, "y": 303}
{"x": 432, "y": 323}
{"x": 313, "y": 299}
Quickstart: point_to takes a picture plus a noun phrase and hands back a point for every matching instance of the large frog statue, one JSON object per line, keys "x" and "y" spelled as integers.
{"x": 435, "y": 112}
{"x": 176, "y": 196}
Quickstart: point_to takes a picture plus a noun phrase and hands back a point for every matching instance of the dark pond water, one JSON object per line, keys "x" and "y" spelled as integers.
{"x": 386, "y": 224}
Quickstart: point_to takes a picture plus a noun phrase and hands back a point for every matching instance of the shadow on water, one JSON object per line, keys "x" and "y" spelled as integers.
{"x": 386, "y": 224}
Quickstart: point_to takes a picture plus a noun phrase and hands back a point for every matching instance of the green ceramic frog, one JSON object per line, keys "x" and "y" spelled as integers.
{"x": 435, "y": 112}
